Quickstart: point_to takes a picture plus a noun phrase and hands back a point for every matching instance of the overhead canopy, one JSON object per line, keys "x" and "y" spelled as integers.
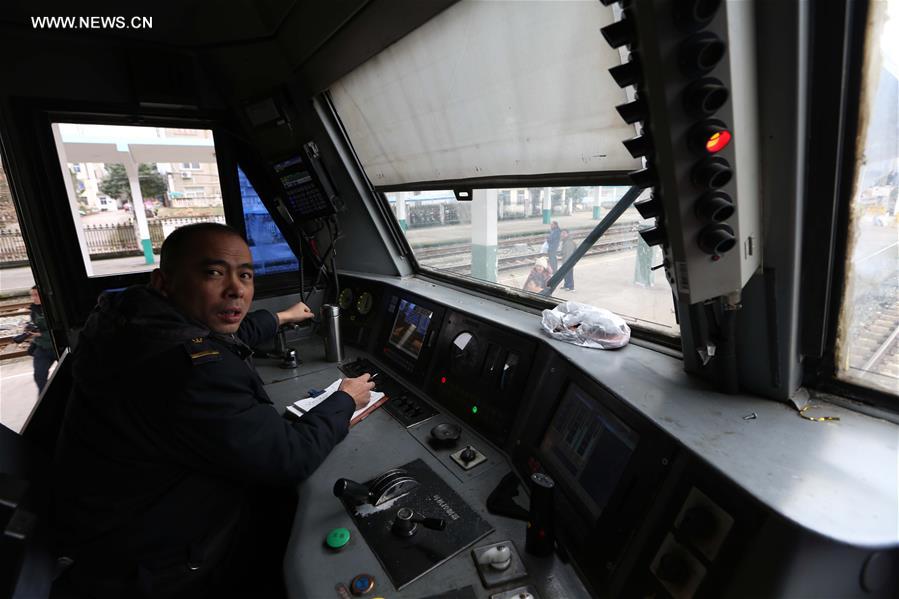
{"x": 107, "y": 143}
{"x": 489, "y": 88}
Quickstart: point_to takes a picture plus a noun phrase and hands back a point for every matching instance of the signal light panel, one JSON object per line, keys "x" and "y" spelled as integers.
{"x": 692, "y": 63}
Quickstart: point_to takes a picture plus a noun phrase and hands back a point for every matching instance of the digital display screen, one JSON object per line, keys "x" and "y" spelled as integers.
{"x": 303, "y": 197}
{"x": 410, "y": 328}
{"x": 589, "y": 446}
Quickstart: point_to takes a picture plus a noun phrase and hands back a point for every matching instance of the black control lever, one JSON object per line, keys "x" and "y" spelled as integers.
{"x": 500, "y": 501}
{"x": 407, "y": 521}
{"x": 350, "y": 489}
{"x": 287, "y": 354}
{"x": 437, "y": 524}
{"x": 390, "y": 485}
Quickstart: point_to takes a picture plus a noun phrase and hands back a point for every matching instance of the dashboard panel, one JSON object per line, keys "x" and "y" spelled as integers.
{"x": 481, "y": 374}
{"x": 637, "y": 510}
{"x": 360, "y": 306}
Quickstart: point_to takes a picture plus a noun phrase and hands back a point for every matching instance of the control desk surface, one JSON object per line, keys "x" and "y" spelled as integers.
{"x": 377, "y": 444}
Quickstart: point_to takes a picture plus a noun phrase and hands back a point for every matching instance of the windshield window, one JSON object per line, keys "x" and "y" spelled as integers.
{"x": 517, "y": 238}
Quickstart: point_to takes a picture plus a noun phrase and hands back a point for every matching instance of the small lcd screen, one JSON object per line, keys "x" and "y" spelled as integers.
{"x": 302, "y": 195}
{"x": 410, "y": 328}
{"x": 589, "y": 446}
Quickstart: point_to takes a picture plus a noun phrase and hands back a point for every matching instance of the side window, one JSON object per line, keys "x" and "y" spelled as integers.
{"x": 271, "y": 254}
{"x": 129, "y": 187}
{"x": 868, "y": 339}
{"x": 25, "y": 358}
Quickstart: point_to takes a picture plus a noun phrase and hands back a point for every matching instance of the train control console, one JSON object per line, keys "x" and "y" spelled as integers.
{"x": 411, "y": 519}
{"x": 505, "y": 465}
{"x": 408, "y": 409}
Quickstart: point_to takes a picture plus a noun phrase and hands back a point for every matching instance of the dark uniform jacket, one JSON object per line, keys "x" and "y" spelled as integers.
{"x": 168, "y": 433}
{"x": 42, "y": 341}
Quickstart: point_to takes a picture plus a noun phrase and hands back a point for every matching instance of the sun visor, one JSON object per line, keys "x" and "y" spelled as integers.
{"x": 489, "y": 88}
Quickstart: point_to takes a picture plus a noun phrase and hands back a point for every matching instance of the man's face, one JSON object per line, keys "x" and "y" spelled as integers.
{"x": 213, "y": 284}
{"x": 35, "y": 297}
{"x": 564, "y": 234}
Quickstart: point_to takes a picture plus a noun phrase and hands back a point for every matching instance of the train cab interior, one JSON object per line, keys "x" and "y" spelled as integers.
{"x": 431, "y": 177}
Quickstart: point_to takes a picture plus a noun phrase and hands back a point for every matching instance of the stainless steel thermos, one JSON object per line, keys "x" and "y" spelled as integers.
{"x": 330, "y": 315}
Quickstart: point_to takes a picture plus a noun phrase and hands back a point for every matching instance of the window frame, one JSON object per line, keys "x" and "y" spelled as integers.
{"x": 496, "y": 291}
{"x": 47, "y": 225}
{"x": 826, "y": 227}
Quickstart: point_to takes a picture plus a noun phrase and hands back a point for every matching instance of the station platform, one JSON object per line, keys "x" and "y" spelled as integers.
{"x": 442, "y": 234}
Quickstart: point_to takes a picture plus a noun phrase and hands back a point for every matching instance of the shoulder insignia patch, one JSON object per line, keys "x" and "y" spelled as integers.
{"x": 201, "y": 351}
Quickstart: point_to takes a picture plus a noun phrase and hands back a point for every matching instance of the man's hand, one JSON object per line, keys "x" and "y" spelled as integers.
{"x": 358, "y": 388}
{"x": 297, "y": 313}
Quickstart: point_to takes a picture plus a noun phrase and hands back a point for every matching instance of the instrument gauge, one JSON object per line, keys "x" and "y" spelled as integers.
{"x": 465, "y": 356}
{"x": 345, "y": 299}
{"x": 365, "y": 303}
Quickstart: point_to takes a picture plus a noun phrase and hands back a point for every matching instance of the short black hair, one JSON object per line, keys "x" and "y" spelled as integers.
{"x": 172, "y": 253}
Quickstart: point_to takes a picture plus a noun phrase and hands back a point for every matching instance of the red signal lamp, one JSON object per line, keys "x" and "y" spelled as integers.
{"x": 709, "y": 137}
{"x": 717, "y": 141}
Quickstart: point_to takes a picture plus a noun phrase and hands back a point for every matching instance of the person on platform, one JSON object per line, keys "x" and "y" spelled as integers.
{"x": 567, "y": 250}
{"x": 41, "y": 347}
{"x": 553, "y": 238}
{"x": 174, "y": 474}
{"x": 539, "y": 275}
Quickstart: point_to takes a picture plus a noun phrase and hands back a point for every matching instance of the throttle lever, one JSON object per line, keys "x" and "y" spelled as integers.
{"x": 407, "y": 521}
{"x": 432, "y": 523}
{"x": 358, "y": 493}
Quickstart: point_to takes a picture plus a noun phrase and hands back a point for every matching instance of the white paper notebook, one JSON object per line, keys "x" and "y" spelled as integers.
{"x": 301, "y": 406}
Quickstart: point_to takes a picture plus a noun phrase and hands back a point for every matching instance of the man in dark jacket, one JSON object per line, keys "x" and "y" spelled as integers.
{"x": 552, "y": 245}
{"x": 41, "y": 347}
{"x": 174, "y": 474}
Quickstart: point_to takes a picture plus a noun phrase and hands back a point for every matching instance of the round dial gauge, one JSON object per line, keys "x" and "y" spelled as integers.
{"x": 345, "y": 299}
{"x": 364, "y": 303}
{"x": 464, "y": 354}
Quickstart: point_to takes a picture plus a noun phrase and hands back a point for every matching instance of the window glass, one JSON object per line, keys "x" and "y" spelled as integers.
{"x": 517, "y": 237}
{"x": 22, "y": 368}
{"x": 106, "y": 168}
{"x": 868, "y": 341}
{"x": 270, "y": 251}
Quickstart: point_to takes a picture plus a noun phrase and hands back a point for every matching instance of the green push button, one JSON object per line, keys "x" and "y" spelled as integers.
{"x": 337, "y": 538}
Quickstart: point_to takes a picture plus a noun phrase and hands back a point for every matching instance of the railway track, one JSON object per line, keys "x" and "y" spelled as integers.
{"x": 9, "y": 349}
{"x": 426, "y": 254}
{"x": 526, "y": 259}
{"x": 15, "y": 309}
{"x": 877, "y": 346}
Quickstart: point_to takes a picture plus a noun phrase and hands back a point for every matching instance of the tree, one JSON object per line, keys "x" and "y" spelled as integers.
{"x": 575, "y": 194}
{"x": 115, "y": 183}
{"x": 152, "y": 183}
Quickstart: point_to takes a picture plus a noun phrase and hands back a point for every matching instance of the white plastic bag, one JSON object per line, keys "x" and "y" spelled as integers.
{"x": 587, "y": 326}
{"x": 544, "y": 249}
